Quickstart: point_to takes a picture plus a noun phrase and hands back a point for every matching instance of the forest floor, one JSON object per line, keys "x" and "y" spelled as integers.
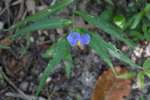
{"x": 22, "y": 65}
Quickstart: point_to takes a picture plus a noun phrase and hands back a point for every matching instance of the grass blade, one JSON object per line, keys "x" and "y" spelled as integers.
{"x": 58, "y": 55}
{"x": 106, "y": 27}
{"x": 4, "y": 47}
{"x": 44, "y": 24}
{"x": 146, "y": 64}
{"x": 97, "y": 43}
{"x": 103, "y": 49}
{"x": 119, "y": 54}
{"x": 59, "y": 6}
{"x": 47, "y": 72}
{"x": 137, "y": 19}
{"x": 140, "y": 80}
{"x": 68, "y": 62}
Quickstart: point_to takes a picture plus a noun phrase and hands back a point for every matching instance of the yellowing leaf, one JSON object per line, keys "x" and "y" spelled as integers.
{"x": 140, "y": 80}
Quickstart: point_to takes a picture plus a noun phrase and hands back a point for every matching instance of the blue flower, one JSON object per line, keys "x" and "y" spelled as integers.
{"x": 74, "y": 38}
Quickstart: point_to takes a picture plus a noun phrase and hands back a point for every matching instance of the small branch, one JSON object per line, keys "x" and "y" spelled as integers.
{"x": 10, "y": 82}
{"x": 28, "y": 97}
{"x": 20, "y": 94}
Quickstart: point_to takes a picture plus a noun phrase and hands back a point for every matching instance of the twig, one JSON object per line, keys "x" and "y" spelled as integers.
{"x": 21, "y": 93}
{"x": 28, "y": 97}
{"x": 10, "y": 82}
{"x": 2, "y": 11}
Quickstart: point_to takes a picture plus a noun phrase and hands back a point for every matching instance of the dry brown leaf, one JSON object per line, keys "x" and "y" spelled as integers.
{"x": 108, "y": 87}
{"x": 6, "y": 41}
{"x": 14, "y": 66}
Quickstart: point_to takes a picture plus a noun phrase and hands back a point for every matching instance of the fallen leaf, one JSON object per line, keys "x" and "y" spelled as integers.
{"x": 15, "y": 66}
{"x": 5, "y": 44}
{"x": 108, "y": 87}
{"x": 6, "y": 41}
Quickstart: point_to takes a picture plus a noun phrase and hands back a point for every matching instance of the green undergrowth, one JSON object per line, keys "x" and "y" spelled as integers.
{"x": 129, "y": 30}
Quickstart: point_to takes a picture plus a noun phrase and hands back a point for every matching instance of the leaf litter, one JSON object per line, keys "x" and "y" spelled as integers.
{"x": 108, "y": 87}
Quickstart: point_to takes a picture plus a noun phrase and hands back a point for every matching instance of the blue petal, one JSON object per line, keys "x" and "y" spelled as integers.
{"x": 73, "y": 38}
{"x": 85, "y": 38}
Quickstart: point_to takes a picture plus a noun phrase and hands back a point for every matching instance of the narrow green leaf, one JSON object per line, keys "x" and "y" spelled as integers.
{"x": 47, "y": 72}
{"x": 52, "y": 50}
{"x": 44, "y": 24}
{"x": 97, "y": 43}
{"x": 56, "y": 59}
{"x": 147, "y": 72}
{"x": 119, "y": 54}
{"x": 147, "y": 35}
{"x": 59, "y": 6}
{"x": 107, "y": 14}
{"x": 146, "y": 64}
{"x": 137, "y": 19}
{"x": 142, "y": 97}
{"x": 68, "y": 62}
{"x": 127, "y": 75}
{"x": 4, "y": 46}
{"x": 140, "y": 80}
{"x": 147, "y": 8}
{"x": 103, "y": 49}
{"x": 136, "y": 35}
{"x": 106, "y": 27}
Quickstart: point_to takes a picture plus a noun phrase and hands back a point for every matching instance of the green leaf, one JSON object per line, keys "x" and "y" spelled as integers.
{"x": 142, "y": 97}
{"x": 103, "y": 49}
{"x": 136, "y": 20}
{"x": 147, "y": 35}
{"x": 127, "y": 75}
{"x": 68, "y": 62}
{"x": 59, "y": 6}
{"x": 109, "y": 2}
{"x": 97, "y": 43}
{"x": 147, "y": 8}
{"x": 119, "y": 21}
{"x": 140, "y": 80}
{"x": 147, "y": 72}
{"x": 107, "y": 14}
{"x": 58, "y": 55}
{"x": 146, "y": 64}
{"x": 106, "y": 27}
{"x": 43, "y": 24}
{"x": 47, "y": 72}
{"x": 136, "y": 36}
{"x": 4, "y": 46}
{"x": 52, "y": 50}
{"x": 139, "y": 16}
{"x": 147, "y": 11}
{"x": 119, "y": 54}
